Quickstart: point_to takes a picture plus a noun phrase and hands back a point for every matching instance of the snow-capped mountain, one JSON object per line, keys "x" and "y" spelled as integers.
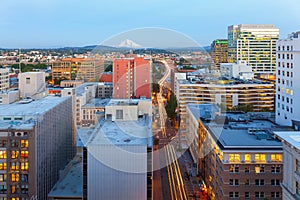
{"x": 129, "y": 44}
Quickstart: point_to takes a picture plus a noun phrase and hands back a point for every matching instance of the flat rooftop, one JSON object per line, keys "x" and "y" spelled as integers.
{"x": 291, "y": 137}
{"x": 70, "y": 186}
{"x": 122, "y": 133}
{"x": 33, "y": 108}
{"x": 125, "y": 102}
{"x": 81, "y": 89}
{"x": 223, "y": 82}
{"x": 96, "y": 102}
{"x": 239, "y": 131}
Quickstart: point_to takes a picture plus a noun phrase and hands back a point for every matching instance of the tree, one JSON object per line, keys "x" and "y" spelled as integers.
{"x": 155, "y": 87}
{"x": 171, "y": 106}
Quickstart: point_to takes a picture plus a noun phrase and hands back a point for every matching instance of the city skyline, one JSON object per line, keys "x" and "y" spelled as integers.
{"x": 50, "y": 24}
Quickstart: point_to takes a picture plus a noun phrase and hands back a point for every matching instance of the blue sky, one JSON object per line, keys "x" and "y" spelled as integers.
{"x": 59, "y": 23}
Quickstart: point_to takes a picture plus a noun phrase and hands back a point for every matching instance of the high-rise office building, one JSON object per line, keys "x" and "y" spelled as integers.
{"x": 4, "y": 78}
{"x": 37, "y": 141}
{"x": 255, "y": 44}
{"x": 219, "y": 53}
{"x": 87, "y": 69}
{"x": 288, "y": 83}
{"x": 132, "y": 78}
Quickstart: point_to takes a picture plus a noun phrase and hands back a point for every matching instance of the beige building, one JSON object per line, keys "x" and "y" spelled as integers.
{"x": 226, "y": 93}
{"x": 71, "y": 83}
{"x": 291, "y": 168}
{"x": 37, "y": 141}
{"x": 238, "y": 156}
{"x": 4, "y": 79}
{"x": 7, "y": 97}
{"x": 32, "y": 84}
{"x": 86, "y": 69}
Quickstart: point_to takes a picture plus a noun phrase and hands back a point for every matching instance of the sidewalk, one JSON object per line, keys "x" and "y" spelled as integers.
{"x": 191, "y": 180}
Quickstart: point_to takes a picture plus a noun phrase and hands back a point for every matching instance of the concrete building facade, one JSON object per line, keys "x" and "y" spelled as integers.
{"x": 32, "y": 84}
{"x": 36, "y": 143}
{"x": 219, "y": 53}
{"x": 255, "y": 44}
{"x": 132, "y": 78}
{"x": 288, "y": 79}
{"x": 4, "y": 79}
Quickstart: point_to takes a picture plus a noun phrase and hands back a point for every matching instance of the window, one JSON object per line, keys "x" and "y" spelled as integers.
{"x": 234, "y": 158}
{"x": 3, "y": 143}
{"x": 259, "y": 195}
{"x": 14, "y": 154}
{"x": 247, "y": 158}
{"x": 234, "y": 169}
{"x": 283, "y": 57}
{"x": 260, "y": 158}
{"x": 234, "y": 195}
{"x": 14, "y": 143}
{"x": 297, "y": 188}
{"x": 278, "y": 80}
{"x": 259, "y": 182}
{"x": 119, "y": 114}
{"x": 14, "y": 177}
{"x": 2, "y": 154}
{"x": 14, "y": 189}
{"x": 247, "y": 194}
{"x": 247, "y": 182}
{"x": 275, "y": 194}
{"x": 14, "y": 166}
{"x": 279, "y": 56}
{"x": 292, "y": 57}
{"x": 275, "y": 182}
{"x": 24, "y": 166}
{"x": 275, "y": 169}
{"x": 27, "y": 80}
{"x": 247, "y": 170}
{"x": 3, "y": 189}
{"x": 24, "y": 143}
{"x": 292, "y": 65}
{"x": 288, "y": 65}
{"x": 2, "y": 165}
{"x": 2, "y": 177}
{"x": 276, "y": 157}
{"x": 259, "y": 169}
{"x": 24, "y": 154}
{"x": 24, "y": 189}
{"x": 288, "y": 56}
{"x": 234, "y": 182}
{"x": 24, "y": 178}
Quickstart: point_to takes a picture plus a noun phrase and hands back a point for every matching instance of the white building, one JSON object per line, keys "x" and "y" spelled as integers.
{"x": 238, "y": 70}
{"x": 4, "y": 79}
{"x": 32, "y": 84}
{"x": 118, "y": 163}
{"x": 291, "y": 167}
{"x": 8, "y": 97}
{"x": 288, "y": 80}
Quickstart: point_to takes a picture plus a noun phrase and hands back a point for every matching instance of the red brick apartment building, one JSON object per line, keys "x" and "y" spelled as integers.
{"x": 132, "y": 78}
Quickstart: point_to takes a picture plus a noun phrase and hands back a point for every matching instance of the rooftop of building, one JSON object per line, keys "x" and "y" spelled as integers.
{"x": 222, "y": 81}
{"x": 126, "y": 102}
{"x": 96, "y": 102}
{"x": 82, "y": 88}
{"x": 122, "y": 133}
{"x": 291, "y": 137}
{"x": 31, "y": 107}
{"x": 256, "y": 26}
{"x": 69, "y": 186}
{"x": 239, "y": 131}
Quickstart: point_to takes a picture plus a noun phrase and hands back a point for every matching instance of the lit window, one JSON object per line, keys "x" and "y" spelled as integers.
{"x": 2, "y": 165}
{"x": 234, "y": 157}
{"x": 24, "y": 154}
{"x": 2, "y": 154}
{"x": 260, "y": 158}
{"x": 14, "y": 177}
{"x": 276, "y": 157}
{"x": 247, "y": 158}
{"x": 24, "y": 166}
{"x": 14, "y": 166}
{"x": 2, "y": 177}
{"x": 259, "y": 169}
{"x": 14, "y": 154}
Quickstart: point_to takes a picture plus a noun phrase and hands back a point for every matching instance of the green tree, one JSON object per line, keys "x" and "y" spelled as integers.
{"x": 171, "y": 106}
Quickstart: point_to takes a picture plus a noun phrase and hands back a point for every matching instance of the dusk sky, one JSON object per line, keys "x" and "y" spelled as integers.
{"x": 60, "y": 23}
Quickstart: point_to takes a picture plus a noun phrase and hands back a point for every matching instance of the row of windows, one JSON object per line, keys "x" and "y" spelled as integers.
{"x": 257, "y": 182}
{"x": 287, "y": 73}
{"x": 287, "y": 56}
{"x": 260, "y": 158}
{"x": 257, "y": 169}
{"x": 288, "y": 100}
{"x": 288, "y": 65}
{"x": 15, "y": 143}
{"x": 257, "y": 195}
{"x": 14, "y": 154}
{"x": 288, "y": 48}
{"x": 15, "y": 166}
{"x": 14, "y": 189}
